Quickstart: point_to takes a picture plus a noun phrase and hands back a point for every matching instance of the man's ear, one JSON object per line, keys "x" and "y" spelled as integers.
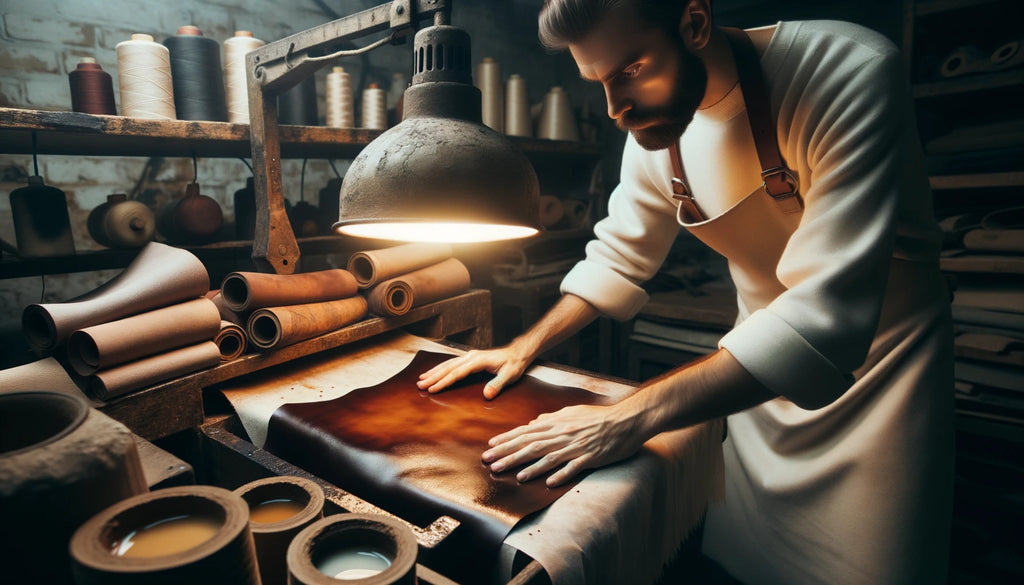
{"x": 695, "y": 24}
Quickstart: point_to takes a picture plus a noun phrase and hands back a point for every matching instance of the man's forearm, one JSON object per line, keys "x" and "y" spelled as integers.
{"x": 569, "y": 315}
{"x": 712, "y": 387}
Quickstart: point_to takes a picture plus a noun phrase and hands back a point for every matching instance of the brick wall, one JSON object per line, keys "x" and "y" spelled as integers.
{"x": 41, "y": 41}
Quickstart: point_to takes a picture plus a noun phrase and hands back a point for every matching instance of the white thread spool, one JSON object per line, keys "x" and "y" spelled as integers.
{"x": 517, "y": 108}
{"x": 488, "y": 80}
{"x": 557, "y": 121}
{"x": 375, "y": 109}
{"x": 236, "y": 86}
{"x": 144, "y": 77}
{"x": 340, "y": 109}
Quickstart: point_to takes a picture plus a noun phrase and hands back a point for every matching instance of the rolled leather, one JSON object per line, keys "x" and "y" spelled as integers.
{"x": 374, "y": 266}
{"x": 124, "y": 340}
{"x": 397, "y": 296}
{"x": 154, "y": 369}
{"x": 280, "y": 326}
{"x": 230, "y": 341}
{"x": 159, "y": 276}
{"x": 245, "y": 291}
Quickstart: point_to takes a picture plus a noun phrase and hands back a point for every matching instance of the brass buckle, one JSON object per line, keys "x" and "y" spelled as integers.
{"x": 787, "y": 176}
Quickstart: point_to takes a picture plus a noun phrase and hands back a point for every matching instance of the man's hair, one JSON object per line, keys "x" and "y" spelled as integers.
{"x": 566, "y": 21}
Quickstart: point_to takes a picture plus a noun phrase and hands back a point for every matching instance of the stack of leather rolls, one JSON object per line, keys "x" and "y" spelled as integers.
{"x": 399, "y": 278}
{"x": 277, "y": 310}
{"x": 147, "y": 325}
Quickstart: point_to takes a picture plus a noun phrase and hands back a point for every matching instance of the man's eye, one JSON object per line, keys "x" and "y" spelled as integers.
{"x": 630, "y": 72}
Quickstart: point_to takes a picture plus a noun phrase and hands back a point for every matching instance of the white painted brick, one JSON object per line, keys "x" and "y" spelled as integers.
{"x": 17, "y": 60}
{"x": 12, "y": 93}
{"x": 47, "y": 92}
{"x": 33, "y": 28}
{"x": 45, "y": 8}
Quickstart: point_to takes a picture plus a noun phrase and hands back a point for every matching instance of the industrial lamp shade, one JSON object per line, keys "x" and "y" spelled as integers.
{"x": 440, "y": 175}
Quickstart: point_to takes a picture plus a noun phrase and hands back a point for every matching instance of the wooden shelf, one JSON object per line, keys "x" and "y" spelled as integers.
{"x": 967, "y": 181}
{"x": 969, "y": 83}
{"x": 87, "y": 261}
{"x": 74, "y": 133}
{"x": 177, "y": 405}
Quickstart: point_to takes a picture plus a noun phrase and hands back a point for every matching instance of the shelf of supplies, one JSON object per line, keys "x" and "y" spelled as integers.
{"x": 74, "y": 133}
{"x": 937, "y": 6}
{"x": 90, "y": 260}
{"x": 968, "y": 181}
{"x": 969, "y": 83}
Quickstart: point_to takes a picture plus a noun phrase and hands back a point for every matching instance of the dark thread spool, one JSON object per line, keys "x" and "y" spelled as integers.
{"x": 42, "y": 226}
{"x": 92, "y": 89}
{"x": 298, "y": 105}
{"x": 245, "y": 211}
{"x": 197, "y": 76}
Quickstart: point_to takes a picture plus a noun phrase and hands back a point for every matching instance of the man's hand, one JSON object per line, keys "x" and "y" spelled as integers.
{"x": 503, "y": 362}
{"x": 575, "y": 438}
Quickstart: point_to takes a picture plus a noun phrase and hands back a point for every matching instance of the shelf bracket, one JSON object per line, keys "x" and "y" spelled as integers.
{"x": 276, "y": 67}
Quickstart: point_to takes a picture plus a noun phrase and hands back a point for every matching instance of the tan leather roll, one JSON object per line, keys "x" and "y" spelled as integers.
{"x": 243, "y": 291}
{"x": 154, "y": 369}
{"x": 117, "y": 342}
{"x": 230, "y": 340}
{"x": 280, "y": 326}
{"x": 375, "y": 266}
{"x": 159, "y": 276}
{"x": 397, "y": 296}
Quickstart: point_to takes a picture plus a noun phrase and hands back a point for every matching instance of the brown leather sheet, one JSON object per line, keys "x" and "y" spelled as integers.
{"x": 418, "y": 455}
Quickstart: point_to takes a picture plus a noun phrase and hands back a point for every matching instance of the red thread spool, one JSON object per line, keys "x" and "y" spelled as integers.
{"x": 92, "y": 90}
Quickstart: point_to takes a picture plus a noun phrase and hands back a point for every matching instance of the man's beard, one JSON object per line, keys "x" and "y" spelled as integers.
{"x": 670, "y": 121}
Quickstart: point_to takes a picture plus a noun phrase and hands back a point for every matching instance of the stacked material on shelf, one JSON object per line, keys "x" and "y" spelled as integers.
{"x": 282, "y": 309}
{"x": 988, "y": 312}
{"x": 399, "y": 278}
{"x": 147, "y": 325}
{"x": 545, "y": 258}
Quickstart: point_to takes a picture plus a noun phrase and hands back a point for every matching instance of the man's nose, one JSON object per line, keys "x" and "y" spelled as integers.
{"x": 618, "y": 103}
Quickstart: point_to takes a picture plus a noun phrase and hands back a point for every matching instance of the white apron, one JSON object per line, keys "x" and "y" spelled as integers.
{"x": 859, "y": 491}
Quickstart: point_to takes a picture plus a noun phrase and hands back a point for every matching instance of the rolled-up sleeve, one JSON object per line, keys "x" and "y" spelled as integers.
{"x": 630, "y": 244}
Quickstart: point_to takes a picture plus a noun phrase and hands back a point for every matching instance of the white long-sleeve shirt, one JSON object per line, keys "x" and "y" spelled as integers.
{"x": 850, "y": 320}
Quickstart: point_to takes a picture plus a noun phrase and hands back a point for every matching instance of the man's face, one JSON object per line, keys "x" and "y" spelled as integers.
{"x": 652, "y": 82}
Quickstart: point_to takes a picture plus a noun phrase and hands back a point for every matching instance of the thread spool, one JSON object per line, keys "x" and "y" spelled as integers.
{"x": 269, "y": 499}
{"x": 144, "y": 78}
{"x": 42, "y": 226}
{"x": 120, "y": 223}
{"x": 298, "y": 105}
{"x": 323, "y": 546}
{"x": 197, "y": 76}
{"x": 92, "y": 89}
{"x": 216, "y": 548}
{"x": 193, "y": 219}
{"x": 339, "y": 101}
{"x": 488, "y": 81}
{"x": 557, "y": 121}
{"x": 375, "y": 108}
{"x": 517, "y": 107}
{"x": 236, "y": 84}
{"x": 61, "y": 462}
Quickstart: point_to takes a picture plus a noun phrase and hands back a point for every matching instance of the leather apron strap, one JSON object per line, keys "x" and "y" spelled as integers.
{"x": 779, "y": 182}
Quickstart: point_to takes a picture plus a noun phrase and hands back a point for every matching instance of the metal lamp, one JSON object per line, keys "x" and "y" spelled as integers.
{"x": 439, "y": 175}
